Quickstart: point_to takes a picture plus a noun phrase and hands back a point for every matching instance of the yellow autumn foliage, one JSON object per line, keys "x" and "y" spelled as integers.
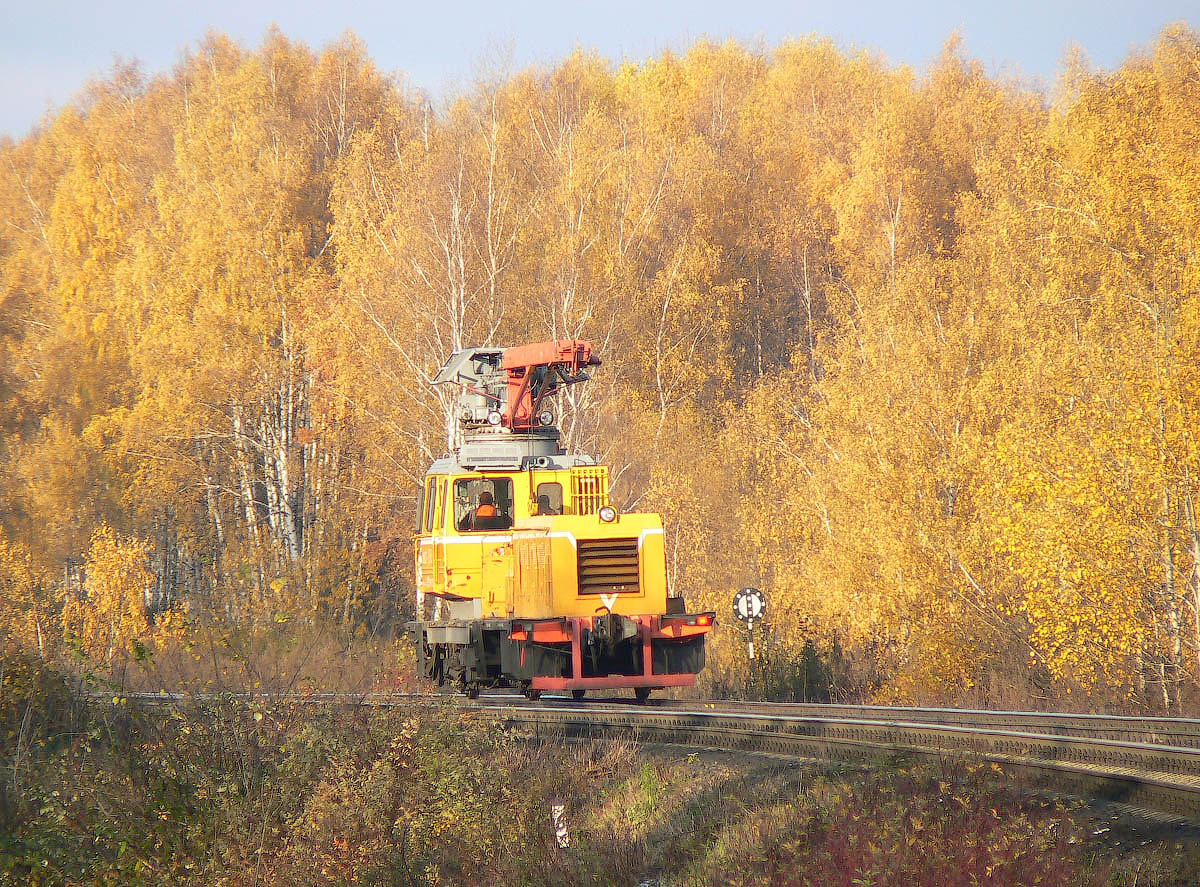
{"x": 24, "y": 616}
{"x": 108, "y": 613}
{"x": 913, "y": 352}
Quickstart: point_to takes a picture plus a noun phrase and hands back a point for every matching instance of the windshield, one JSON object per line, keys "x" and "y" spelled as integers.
{"x": 482, "y": 504}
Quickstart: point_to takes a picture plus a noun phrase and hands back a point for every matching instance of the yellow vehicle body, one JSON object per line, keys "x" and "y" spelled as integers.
{"x": 534, "y": 565}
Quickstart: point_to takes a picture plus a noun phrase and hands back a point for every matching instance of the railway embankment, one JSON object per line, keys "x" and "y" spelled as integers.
{"x": 243, "y": 789}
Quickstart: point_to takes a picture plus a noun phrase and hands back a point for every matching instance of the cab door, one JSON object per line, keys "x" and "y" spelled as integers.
{"x": 424, "y": 545}
{"x": 497, "y": 566}
{"x": 439, "y": 536}
{"x": 463, "y": 545}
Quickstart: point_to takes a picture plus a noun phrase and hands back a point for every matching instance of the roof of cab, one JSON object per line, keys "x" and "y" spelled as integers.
{"x": 451, "y": 465}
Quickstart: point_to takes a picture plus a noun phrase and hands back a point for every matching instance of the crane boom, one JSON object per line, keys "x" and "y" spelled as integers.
{"x": 534, "y": 372}
{"x": 513, "y": 382}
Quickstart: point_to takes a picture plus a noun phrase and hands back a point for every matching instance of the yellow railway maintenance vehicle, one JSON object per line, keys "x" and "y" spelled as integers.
{"x": 527, "y": 576}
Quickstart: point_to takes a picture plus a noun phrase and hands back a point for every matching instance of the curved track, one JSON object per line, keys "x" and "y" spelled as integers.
{"x": 1151, "y": 764}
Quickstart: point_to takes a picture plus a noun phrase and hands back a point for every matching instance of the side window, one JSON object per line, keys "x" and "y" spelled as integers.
{"x": 420, "y": 508}
{"x": 483, "y": 503}
{"x": 548, "y": 499}
{"x": 439, "y": 513}
{"x": 430, "y": 502}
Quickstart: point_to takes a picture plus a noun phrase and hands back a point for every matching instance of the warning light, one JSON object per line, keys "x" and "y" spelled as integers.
{"x": 703, "y": 620}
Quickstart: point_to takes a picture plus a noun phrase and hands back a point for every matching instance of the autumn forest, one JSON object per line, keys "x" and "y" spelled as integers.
{"x": 916, "y": 353}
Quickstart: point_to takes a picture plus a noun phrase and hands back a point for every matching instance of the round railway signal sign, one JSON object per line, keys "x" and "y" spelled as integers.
{"x": 749, "y": 605}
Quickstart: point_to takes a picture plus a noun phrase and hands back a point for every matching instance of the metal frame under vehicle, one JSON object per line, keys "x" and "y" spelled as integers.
{"x": 604, "y": 652}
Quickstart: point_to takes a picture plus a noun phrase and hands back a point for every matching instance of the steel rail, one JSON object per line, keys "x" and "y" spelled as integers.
{"x": 1148, "y": 764}
{"x": 1168, "y": 731}
{"x": 1154, "y": 777}
{"x": 1183, "y": 732}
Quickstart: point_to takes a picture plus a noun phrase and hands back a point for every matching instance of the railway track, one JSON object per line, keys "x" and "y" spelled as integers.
{"x": 1147, "y": 764}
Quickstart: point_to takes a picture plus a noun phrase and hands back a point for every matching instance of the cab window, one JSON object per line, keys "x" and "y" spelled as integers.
{"x": 439, "y": 513}
{"x": 548, "y": 499}
{"x": 482, "y": 504}
{"x": 430, "y": 503}
{"x": 420, "y": 508}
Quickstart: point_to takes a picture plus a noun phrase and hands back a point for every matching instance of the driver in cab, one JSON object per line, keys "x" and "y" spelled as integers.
{"x": 487, "y": 506}
{"x": 485, "y": 516}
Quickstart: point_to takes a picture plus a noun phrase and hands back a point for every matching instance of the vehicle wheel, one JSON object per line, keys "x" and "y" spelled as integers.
{"x": 641, "y": 694}
{"x": 472, "y": 691}
{"x": 578, "y": 694}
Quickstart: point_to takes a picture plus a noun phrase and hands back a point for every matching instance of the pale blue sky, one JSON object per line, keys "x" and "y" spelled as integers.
{"x": 48, "y": 50}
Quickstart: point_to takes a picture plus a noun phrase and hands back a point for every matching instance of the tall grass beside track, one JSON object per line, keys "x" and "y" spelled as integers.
{"x": 228, "y": 792}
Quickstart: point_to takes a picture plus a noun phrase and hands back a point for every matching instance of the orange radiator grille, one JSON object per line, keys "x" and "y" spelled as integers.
{"x": 608, "y": 566}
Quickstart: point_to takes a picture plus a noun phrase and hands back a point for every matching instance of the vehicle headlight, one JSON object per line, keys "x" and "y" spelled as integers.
{"x": 608, "y": 514}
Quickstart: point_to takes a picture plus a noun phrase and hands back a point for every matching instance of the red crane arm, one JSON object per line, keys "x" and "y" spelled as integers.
{"x": 538, "y": 370}
{"x": 575, "y": 353}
